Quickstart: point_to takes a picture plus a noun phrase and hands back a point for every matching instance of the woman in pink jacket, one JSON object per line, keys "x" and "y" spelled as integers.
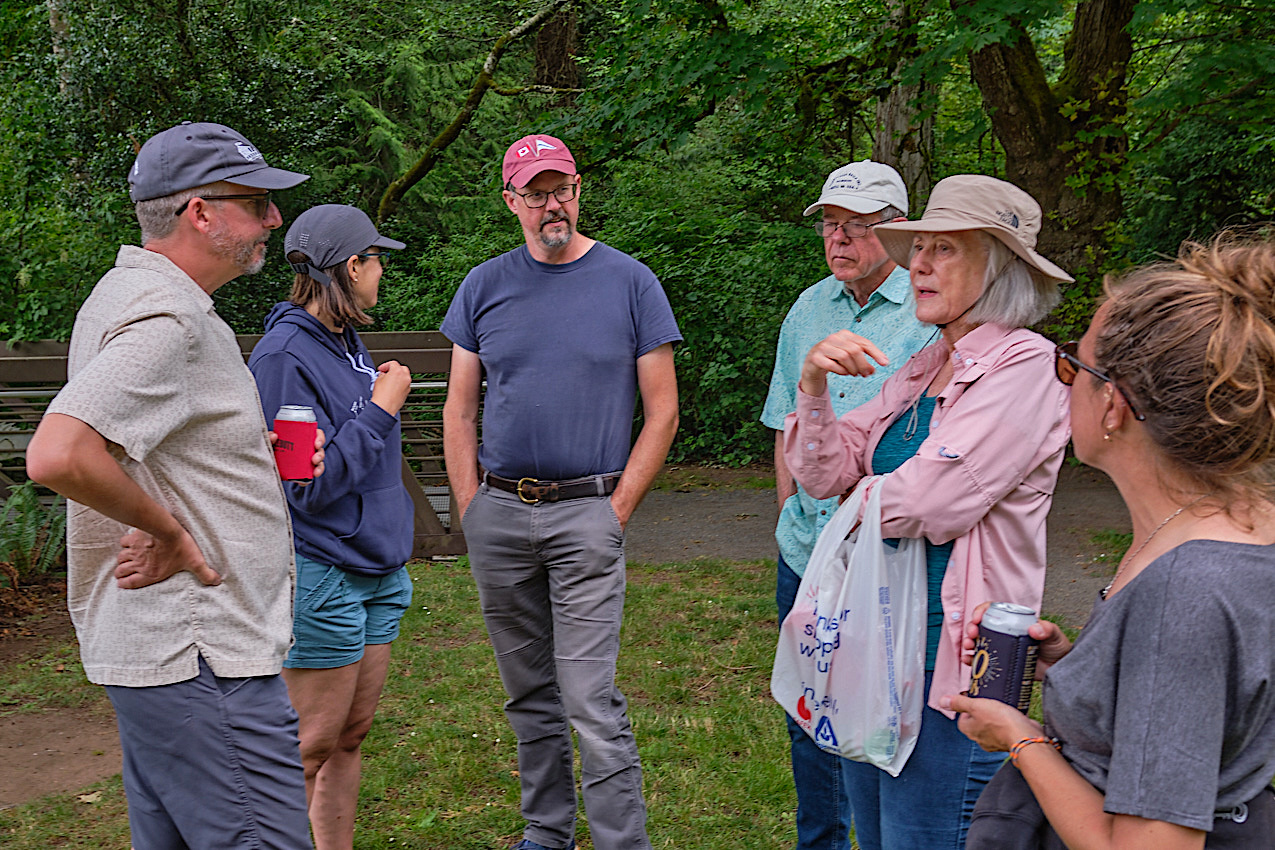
{"x": 970, "y": 435}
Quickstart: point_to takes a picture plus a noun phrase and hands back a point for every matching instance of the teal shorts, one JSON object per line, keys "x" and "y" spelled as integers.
{"x": 337, "y": 613}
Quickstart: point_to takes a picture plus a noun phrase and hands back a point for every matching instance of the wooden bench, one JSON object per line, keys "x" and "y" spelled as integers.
{"x": 31, "y": 373}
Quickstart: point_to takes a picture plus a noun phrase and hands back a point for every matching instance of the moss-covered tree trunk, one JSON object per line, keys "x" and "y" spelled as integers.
{"x": 1065, "y": 144}
{"x": 484, "y": 82}
{"x": 904, "y": 132}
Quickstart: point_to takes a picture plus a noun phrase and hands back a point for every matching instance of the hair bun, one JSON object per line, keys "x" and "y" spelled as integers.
{"x": 1193, "y": 342}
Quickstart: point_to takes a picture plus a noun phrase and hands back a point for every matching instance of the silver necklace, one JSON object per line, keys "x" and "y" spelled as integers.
{"x": 909, "y": 430}
{"x": 1144, "y": 543}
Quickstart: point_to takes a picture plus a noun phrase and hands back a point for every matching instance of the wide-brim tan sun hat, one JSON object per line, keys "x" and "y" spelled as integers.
{"x": 975, "y": 202}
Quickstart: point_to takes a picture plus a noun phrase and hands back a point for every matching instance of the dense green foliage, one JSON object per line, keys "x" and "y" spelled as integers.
{"x": 703, "y": 128}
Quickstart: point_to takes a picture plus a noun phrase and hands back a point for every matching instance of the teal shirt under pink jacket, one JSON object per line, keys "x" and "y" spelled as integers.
{"x": 984, "y": 478}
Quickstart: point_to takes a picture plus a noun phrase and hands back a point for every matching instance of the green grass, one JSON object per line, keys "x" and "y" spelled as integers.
{"x": 1071, "y": 632}
{"x": 52, "y": 681}
{"x": 440, "y": 763}
{"x": 1113, "y": 543}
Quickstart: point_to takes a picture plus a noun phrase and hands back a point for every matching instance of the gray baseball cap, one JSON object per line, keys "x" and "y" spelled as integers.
{"x": 863, "y": 187}
{"x": 330, "y": 234}
{"x": 191, "y": 155}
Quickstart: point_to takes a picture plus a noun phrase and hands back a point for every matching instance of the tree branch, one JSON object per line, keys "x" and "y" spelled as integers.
{"x": 1097, "y": 52}
{"x": 1187, "y": 113}
{"x": 532, "y": 90}
{"x": 484, "y": 82}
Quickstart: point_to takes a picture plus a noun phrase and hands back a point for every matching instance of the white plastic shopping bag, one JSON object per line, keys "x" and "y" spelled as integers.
{"x": 850, "y": 666}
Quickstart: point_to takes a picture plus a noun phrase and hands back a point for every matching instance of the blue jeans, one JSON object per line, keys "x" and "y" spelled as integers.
{"x": 929, "y": 804}
{"x": 822, "y": 779}
{"x": 926, "y": 807}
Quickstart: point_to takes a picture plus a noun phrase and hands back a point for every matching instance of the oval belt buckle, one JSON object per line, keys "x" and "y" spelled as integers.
{"x": 532, "y": 481}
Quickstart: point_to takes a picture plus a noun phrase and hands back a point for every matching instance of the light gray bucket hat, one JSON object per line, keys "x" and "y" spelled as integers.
{"x": 975, "y": 202}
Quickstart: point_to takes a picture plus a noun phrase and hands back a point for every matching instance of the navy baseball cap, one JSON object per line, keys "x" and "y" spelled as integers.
{"x": 330, "y": 234}
{"x": 191, "y": 155}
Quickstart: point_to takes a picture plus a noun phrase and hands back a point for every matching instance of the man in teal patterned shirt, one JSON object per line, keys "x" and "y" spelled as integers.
{"x": 868, "y": 294}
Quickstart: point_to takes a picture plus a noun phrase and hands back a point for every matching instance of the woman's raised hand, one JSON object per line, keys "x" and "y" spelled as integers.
{"x": 392, "y": 387}
{"x": 843, "y": 353}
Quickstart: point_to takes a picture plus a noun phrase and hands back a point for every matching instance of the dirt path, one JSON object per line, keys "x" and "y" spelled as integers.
{"x": 704, "y": 514}
{"x": 56, "y": 752}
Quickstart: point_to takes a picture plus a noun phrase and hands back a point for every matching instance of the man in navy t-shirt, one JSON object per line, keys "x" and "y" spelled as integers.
{"x": 568, "y": 331}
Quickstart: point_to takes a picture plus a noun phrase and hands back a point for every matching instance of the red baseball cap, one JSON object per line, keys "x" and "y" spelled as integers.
{"x": 533, "y": 154}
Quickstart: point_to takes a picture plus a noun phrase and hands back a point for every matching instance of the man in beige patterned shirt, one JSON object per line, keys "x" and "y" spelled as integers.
{"x": 180, "y": 573}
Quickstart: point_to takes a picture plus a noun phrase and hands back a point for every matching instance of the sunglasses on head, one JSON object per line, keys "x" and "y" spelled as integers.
{"x": 1067, "y": 365}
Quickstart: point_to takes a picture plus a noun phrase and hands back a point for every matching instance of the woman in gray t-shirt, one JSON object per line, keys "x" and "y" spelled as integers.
{"x": 1160, "y": 721}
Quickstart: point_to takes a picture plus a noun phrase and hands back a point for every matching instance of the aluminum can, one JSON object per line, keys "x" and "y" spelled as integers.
{"x": 1004, "y": 666}
{"x": 295, "y": 429}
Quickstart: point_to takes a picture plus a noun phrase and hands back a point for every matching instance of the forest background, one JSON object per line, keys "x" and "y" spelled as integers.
{"x": 702, "y": 127}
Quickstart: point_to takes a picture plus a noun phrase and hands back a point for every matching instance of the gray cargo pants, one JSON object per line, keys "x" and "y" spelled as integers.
{"x": 551, "y": 582}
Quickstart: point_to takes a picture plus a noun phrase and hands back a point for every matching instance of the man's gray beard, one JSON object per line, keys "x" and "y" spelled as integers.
{"x": 557, "y": 241}
{"x": 243, "y": 253}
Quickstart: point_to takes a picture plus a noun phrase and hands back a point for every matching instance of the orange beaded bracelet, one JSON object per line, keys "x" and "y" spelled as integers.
{"x": 1015, "y": 750}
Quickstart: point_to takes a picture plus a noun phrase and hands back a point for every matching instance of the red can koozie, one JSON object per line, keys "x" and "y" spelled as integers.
{"x": 296, "y": 430}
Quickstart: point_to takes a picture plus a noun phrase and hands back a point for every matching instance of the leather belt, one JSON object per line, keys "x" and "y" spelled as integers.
{"x": 533, "y": 490}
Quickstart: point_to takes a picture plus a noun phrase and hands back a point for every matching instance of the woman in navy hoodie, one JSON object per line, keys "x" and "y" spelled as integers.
{"x": 352, "y": 526}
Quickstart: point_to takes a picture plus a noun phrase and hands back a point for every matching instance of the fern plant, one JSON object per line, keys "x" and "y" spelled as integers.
{"x": 32, "y": 536}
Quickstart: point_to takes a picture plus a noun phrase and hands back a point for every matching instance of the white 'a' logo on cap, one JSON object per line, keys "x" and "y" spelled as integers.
{"x": 248, "y": 152}
{"x": 541, "y": 145}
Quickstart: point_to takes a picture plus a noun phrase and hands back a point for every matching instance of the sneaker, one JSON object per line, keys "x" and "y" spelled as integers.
{"x": 528, "y": 844}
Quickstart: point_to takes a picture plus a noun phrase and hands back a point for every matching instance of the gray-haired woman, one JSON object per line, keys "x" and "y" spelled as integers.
{"x": 970, "y": 435}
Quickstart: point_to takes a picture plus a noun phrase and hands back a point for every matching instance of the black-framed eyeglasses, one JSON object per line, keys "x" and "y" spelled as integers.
{"x": 535, "y": 200}
{"x": 261, "y": 202}
{"x": 1066, "y": 364}
{"x": 852, "y": 229}
{"x": 383, "y": 256}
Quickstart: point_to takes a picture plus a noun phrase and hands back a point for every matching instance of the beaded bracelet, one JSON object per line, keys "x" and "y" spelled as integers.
{"x": 1015, "y": 750}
